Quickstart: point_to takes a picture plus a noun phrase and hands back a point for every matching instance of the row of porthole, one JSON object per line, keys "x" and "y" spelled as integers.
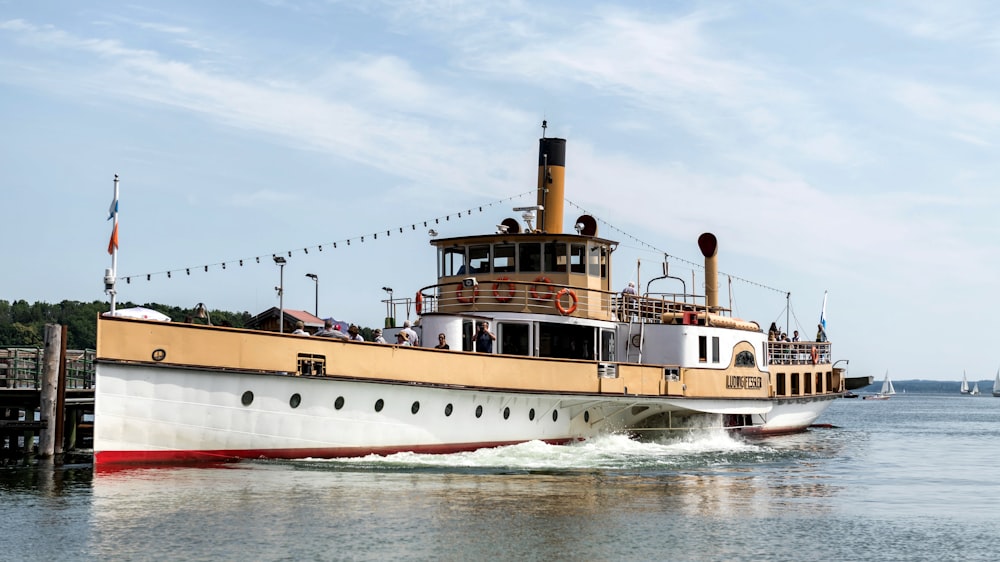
{"x": 296, "y": 400}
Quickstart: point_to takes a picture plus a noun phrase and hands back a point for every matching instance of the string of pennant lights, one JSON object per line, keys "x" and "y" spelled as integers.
{"x": 668, "y": 256}
{"x": 399, "y": 230}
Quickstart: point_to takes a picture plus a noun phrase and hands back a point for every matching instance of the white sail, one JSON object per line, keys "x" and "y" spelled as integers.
{"x": 965, "y": 384}
{"x": 975, "y": 389}
{"x": 996, "y": 384}
{"x": 887, "y": 387}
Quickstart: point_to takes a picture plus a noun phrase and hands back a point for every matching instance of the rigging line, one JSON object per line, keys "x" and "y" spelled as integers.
{"x": 305, "y": 249}
{"x": 671, "y": 257}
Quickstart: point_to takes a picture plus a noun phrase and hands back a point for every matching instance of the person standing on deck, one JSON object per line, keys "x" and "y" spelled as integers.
{"x": 484, "y": 339}
{"x": 411, "y": 334}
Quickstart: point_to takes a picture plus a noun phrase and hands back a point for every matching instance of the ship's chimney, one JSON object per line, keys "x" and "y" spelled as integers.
{"x": 551, "y": 175}
{"x": 710, "y": 249}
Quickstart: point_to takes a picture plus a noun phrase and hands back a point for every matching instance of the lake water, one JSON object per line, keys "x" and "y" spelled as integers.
{"x": 912, "y": 478}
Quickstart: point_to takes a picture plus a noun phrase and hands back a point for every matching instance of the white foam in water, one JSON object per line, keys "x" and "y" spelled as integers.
{"x": 615, "y": 451}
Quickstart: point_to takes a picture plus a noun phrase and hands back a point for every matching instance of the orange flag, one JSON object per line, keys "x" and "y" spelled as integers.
{"x": 113, "y": 243}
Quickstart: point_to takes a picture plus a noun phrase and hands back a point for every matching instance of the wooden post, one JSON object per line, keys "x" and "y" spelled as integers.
{"x": 50, "y": 382}
{"x": 60, "y": 429}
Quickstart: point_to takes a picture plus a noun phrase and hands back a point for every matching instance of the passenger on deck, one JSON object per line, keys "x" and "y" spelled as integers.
{"x": 820, "y": 333}
{"x": 411, "y": 334}
{"x": 442, "y": 342}
{"x": 484, "y": 338}
{"x": 795, "y": 335}
{"x": 402, "y": 338}
{"x": 329, "y": 331}
{"x": 378, "y": 336}
{"x": 300, "y": 328}
{"x": 354, "y": 334}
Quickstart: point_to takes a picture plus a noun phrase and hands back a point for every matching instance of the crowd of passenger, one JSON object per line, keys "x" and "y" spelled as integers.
{"x": 406, "y": 336}
{"x": 790, "y": 350}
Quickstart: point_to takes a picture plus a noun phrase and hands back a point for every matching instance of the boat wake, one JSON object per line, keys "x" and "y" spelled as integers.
{"x": 614, "y": 452}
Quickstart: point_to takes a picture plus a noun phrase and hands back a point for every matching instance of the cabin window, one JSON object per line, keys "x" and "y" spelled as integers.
{"x": 530, "y": 257}
{"x": 514, "y": 339}
{"x": 452, "y": 261}
{"x": 555, "y": 257}
{"x": 703, "y": 349}
{"x": 479, "y": 259}
{"x": 715, "y": 350}
{"x": 779, "y": 381}
{"x": 564, "y": 341}
{"x": 503, "y": 258}
{"x": 578, "y": 258}
{"x": 807, "y": 383}
{"x": 819, "y": 383}
{"x": 829, "y": 381}
{"x": 608, "y": 345}
{"x": 795, "y": 384}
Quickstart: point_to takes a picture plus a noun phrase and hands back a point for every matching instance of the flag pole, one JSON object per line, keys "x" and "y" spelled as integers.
{"x": 110, "y": 275}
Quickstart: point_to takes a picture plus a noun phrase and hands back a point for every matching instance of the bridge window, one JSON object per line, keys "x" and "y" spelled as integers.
{"x": 555, "y": 257}
{"x": 503, "y": 258}
{"x": 598, "y": 265}
{"x": 578, "y": 258}
{"x": 530, "y": 257}
{"x": 479, "y": 259}
{"x": 453, "y": 261}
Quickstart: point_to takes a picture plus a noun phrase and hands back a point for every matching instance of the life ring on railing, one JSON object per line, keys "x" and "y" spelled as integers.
{"x": 496, "y": 289}
{"x": 814, "y": 354}
{"x": 542, "y": 280}
{"x": 572, "y": 297}
{"x": 459, "y": 289}
{"x": 420, "y": 303}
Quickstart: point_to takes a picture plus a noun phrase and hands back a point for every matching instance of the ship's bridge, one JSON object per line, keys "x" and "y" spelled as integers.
{"x": 533, "y": 272}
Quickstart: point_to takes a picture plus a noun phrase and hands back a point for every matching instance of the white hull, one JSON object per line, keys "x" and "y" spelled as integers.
{"x": 156, "y": 414}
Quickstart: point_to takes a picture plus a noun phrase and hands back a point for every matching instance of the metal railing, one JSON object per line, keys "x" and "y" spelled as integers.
{"x": 21, "y": 368}
{"x": 798, "y": 353}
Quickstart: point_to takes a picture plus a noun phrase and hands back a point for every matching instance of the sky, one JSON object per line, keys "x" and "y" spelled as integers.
{"x": 847, "y": 148}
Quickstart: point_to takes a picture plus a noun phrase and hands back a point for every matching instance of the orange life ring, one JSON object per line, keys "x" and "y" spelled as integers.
{"x": 496, "y": 289}
{"x": 814, "y": 354}
{"x": 543, "y": 280}
{"x": 463, "y": 299}
{"x": 420, "y": 303}
{"x": 572, "y": 297}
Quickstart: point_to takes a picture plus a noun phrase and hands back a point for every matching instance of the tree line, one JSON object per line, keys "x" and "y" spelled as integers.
{"x": 23, "y": 324}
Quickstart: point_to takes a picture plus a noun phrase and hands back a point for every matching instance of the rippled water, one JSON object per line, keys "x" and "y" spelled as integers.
{"x": 912, "y": 478}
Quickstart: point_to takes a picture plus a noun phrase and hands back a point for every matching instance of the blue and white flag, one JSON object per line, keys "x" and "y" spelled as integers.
{"x": 822, "y": 314}
{"x": 113, "y": 209}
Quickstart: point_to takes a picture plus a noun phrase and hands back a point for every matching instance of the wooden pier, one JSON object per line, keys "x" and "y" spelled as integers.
{"x": 46, "y": 400}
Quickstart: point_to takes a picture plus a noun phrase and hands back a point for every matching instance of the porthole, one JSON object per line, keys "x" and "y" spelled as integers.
{"x": 295, "y": 400}
{"x": 479, "y": 411}
{"x": 379, "y": 404}
{"x": 339, "y": 402}
{"x": 159, "y": 355}
{"x": 506, "y": 413}
{"x": 531, "y": 414}
{"x": 415, "y": 408}
{"x": 247, "y": 398}
{"x": 555, "y": 415}
{"x": 586, "y": 416}
{"x": 447, "y": 410}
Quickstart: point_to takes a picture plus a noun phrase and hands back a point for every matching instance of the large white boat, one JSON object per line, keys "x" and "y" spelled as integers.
{"x": 572, "y": 359}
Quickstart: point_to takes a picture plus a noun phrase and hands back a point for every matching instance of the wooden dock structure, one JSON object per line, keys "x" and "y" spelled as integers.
{"x": 46, "y": 400}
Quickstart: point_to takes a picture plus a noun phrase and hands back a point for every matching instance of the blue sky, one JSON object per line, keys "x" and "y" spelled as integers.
{"x": 840, "y": 146}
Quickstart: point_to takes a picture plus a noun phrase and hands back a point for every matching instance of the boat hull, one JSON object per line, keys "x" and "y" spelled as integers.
{"x": 161, "y": 414}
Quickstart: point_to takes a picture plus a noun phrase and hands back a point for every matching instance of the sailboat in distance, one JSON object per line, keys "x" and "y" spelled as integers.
{"x": 887, "y": 390}
{"x": 996, "y": 384}
{"x": 965, "y": 384}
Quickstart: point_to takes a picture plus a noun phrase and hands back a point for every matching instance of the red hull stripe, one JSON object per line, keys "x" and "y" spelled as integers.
{"x": 224, "y": 455}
